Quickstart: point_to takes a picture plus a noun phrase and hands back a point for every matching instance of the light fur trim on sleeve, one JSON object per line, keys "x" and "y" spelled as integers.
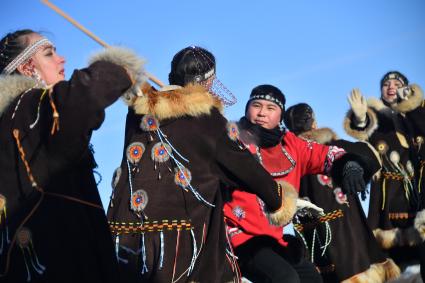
{"x": 129, "y": 60}
{"x": 362, "y": 135}
{"x": 286, "y": 212}
{"x": 412, "y": 102}
{"x": 397, "y": 237}
{"x": 419, "y": 223}
{"x": 376, "y": 273}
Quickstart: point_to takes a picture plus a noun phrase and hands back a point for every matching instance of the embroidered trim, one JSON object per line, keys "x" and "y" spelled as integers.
{"x": 401, "y": 215}
{"x": 395, "y": 176}
{"x": 281, "y": 173}
{"x": 148, "y": 226}
{"x": 333, "y": 154}
{"x": 326, "y": 218}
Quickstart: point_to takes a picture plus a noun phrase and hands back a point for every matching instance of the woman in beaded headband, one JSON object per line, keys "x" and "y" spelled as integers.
{"x": 52, "y": 223}
{"x": 30, "y": 54}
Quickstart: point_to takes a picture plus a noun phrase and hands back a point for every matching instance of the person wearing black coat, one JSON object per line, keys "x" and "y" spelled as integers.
{"x": 351, "y": 251}
{"x": 52, "y": 224}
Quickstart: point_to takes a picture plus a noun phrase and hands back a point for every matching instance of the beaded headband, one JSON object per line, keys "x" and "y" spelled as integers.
{"x": 25, "y": 55}
{"x": 267, "y": 97}
{"x": 394, "y": 76}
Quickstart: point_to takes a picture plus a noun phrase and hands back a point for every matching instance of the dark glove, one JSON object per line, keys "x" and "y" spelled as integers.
{"x": 352, "y": 178}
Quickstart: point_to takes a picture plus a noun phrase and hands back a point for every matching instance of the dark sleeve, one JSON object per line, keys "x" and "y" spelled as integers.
{"x": 361, "y": 152}
{"x": 80, "y": 103}
{"x": 241, "y": 170}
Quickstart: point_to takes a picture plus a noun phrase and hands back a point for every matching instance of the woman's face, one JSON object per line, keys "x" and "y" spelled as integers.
{"x": 264, "y": 113}
{"x": 46, "y": 62}
{"x": 389, "y": 90}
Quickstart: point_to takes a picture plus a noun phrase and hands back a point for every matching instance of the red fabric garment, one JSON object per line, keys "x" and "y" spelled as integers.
{"x": 245, "y": 215}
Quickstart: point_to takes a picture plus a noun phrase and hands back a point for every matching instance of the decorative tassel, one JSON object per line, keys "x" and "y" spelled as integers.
{"x": 328, "y": 238}
{"x": 3, "y": 224}
{"x": 383, "y": 193}
{"x": 176, "y": 255}
{"x": 38, "y": 109}
{"x": 194, "y": 255}
{"x": 420, "y": 178}
{"x": 129, "y": 178}
{"x": 117, "y": 246}
{"x": 22, "y": 154}
{"x": 55, "y": 126}
{"x": 144, "y": 267}
{"x": 24, "y": 240}
{"x": 312, "y": 244}
{"x": 161, "y": 255}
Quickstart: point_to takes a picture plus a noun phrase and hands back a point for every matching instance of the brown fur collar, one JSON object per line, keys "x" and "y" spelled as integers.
{"x": 192, "y": 100}
{"x": 419, "y": 223}
{"x": 322, "y": 135}
{"x": 376, "y": 273}
{"x": 12, "y": 86}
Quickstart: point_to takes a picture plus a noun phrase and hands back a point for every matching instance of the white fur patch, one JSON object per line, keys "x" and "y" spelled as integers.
{"x": 12, "y": 86}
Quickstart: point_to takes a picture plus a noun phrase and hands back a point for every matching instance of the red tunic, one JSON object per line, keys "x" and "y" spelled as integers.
{"x": 288, "y": 161}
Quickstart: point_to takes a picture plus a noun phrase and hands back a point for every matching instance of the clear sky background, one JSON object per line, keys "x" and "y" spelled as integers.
{"x": 315, "y": 51}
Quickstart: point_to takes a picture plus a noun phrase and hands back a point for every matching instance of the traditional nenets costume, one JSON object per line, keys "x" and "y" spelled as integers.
{"x": 166, "y": 208}
{"x": 340, "y": 243}
{"x": 52, "y": 224}
{"x": 395, "y": 126}
{"x": 264, "y": 254}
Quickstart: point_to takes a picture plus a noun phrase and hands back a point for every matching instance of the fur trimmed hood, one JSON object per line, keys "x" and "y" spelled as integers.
{"x": 322, "y": 135}
{"x": 11, "y": 86}
{"x": 175, "y": 102}
{"x": 412, "y": 102}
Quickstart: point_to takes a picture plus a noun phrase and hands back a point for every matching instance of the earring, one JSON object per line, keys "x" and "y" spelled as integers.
{"x": 36, "y": 76}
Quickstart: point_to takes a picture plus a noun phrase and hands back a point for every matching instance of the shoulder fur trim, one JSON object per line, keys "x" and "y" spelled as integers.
{"x": 127, "y": 59}
{"x": 376, "y": 104}
{"x": 192, "y": 100}
{"x": 322, "y": 135}
{"x": 362, "y": 135}
{"x": 420, "y": 223}
{"x": 286, "y": 212}
{"x": 376, "y": 273}
{"x": 12, "y": 86}
{"x": 412, "y": 102}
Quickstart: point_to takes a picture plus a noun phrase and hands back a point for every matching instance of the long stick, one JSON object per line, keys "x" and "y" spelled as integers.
{"x": 91, "y": 35}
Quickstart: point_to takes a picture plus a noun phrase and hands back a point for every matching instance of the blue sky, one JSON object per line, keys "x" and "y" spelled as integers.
{"x": 314, "y": 51}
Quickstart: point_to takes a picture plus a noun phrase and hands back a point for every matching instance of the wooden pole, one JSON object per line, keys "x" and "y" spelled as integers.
{"x": 91, "y": 35}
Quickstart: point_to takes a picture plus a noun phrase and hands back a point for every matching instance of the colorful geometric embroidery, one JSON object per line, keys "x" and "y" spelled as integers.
{"x": 149, "y": 123}
{"x": 233, "y": 131}
{"x": 239, "y": 212}
{"x": 182, "y": 177}
{"x": 160, "y": 152}
{"x": 135, "y": 152}
{"x": 148, "y": 226}
{"x": 333, "y": 154}
{"x": 139, "y": 200}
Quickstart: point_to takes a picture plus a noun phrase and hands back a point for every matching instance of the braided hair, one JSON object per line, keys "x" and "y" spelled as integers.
{"x": 12, "y": 45}
{"x": 190, "y": 65}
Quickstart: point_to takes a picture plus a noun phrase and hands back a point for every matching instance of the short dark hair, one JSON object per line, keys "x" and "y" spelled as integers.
{"x": 299, "y": 118}
{"x": 190, "y": 65}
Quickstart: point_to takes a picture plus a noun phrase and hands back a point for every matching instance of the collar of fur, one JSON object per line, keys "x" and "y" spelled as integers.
{"x": 175, "y": 102}
{"x": 11, "y": 86}
{"x": 379, "y": 106}
{"x": 322, "y": 135}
